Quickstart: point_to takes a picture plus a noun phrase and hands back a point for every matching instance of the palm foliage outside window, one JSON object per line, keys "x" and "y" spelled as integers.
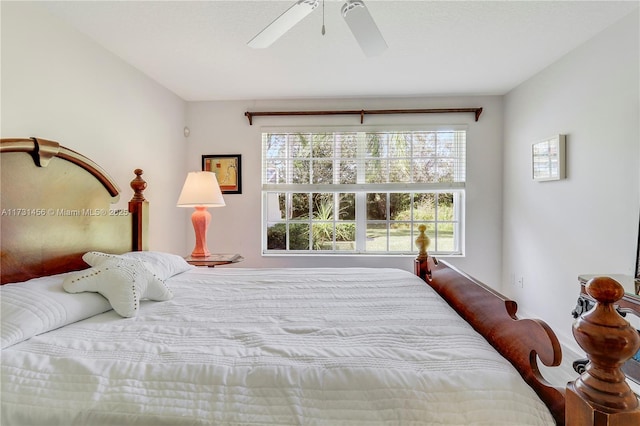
{"x": 362, "y": 192}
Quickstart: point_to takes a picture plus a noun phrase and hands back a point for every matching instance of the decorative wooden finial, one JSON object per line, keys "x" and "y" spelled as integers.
{"x": 422, "y": 242}
{"x": 609, "y": 341}
{"x": 422, "y": 268}
{"x": 138, "y": 185}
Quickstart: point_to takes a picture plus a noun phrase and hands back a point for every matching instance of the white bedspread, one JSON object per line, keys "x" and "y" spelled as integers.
{"x": 270, "y": 346}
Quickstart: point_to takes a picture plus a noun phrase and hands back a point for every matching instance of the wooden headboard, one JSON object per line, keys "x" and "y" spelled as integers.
{"x": 56, "y": 205}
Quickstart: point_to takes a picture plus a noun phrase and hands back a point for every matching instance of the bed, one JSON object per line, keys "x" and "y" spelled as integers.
{"x": 98, "y": 330}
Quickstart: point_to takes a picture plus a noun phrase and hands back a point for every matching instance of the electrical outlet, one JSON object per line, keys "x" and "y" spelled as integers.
{"x": 520, "y": 282}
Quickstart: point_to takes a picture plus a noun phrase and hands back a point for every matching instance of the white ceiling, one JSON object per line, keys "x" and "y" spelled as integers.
{"x": 198, "y": 50}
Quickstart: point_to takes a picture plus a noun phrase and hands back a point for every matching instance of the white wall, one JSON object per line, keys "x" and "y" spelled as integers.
{"x": 58, "y": 84}
{"x": 588, "y": 223}
{"x": 221, "y": 128}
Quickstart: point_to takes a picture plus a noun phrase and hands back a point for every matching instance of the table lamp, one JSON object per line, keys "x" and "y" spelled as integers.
{"x": 201, "y": 190}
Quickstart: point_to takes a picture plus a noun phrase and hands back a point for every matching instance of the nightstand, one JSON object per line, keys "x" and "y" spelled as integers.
{"x": 214, "y": 259}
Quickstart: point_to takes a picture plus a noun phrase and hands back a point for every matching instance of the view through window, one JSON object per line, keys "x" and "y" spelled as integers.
{"x": 363, "y": 192}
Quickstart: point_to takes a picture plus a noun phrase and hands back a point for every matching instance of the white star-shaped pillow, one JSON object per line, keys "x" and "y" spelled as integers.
{"x": 124, "y": 282}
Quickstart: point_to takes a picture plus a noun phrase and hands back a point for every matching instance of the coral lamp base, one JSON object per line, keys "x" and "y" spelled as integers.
{"x": 200, "y": 219}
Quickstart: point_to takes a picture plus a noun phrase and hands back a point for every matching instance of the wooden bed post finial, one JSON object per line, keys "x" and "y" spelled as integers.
{"x": 601, "y": 396}
{"x": 421, "y": 266}
{"x": 138, "y": 185}
{"x": 422, "y": 242}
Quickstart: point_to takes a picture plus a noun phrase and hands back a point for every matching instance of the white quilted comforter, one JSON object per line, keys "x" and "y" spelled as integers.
{"x": 266, "y": 347}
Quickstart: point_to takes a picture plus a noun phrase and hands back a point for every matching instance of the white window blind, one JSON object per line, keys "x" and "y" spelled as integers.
{"x": 434, "y": 159}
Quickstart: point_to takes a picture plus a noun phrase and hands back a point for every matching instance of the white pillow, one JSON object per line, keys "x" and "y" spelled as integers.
{"x": 164, "y": 265}
{"x": 123, "y": 281}
{"x": 39, "y": 305}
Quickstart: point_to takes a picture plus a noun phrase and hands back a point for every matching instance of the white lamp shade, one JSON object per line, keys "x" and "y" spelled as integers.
{"x": 201, "y": 189}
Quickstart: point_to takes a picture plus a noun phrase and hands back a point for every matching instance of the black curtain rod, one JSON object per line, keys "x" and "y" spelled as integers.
{"x": 362, "y": 112}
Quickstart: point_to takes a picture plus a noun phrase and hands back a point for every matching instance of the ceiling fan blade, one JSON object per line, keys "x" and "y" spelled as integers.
{"x": 283, "y": 23}
{"x": 363, "y": 27}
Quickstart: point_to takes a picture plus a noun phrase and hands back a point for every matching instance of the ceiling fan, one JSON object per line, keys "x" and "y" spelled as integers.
{"x": 354, "y": 12}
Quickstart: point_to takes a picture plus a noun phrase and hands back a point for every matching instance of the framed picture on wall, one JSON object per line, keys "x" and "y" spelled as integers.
{"x": 547, "y": 159}
{"x": 228, "y": 170}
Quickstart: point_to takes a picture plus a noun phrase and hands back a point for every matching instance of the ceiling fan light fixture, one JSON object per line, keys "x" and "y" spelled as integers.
{"x": 363, "y": 27}
{"x": 283, "y": 23}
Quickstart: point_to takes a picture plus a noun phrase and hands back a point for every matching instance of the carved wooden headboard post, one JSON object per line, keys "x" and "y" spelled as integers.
{"x": 139, "y": 209}
{"x": 601, "y": 395}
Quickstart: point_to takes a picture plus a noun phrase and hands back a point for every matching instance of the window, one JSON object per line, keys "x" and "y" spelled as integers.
{"x": 362, "y": 192}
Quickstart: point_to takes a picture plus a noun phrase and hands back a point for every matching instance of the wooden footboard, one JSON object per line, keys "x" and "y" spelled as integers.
{"x": 521, "y": 341}
{"x": 600, "y": 396}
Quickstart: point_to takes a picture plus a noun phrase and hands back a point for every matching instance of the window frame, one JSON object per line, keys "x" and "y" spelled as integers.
{"x": 361, "y": 189}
